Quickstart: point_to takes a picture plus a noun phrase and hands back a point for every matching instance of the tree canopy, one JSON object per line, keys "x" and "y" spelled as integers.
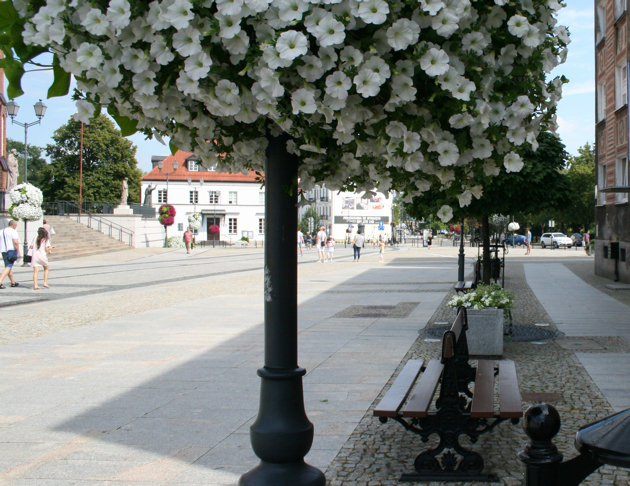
{"x": 403, "y": 96}
{"x": 36, "y": 163}
{"x": 107, "y": 159}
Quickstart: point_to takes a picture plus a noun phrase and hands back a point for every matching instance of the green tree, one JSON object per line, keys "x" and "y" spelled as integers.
{"x": 304, "y": 222}
{"x": 580, "y": 213}
{"x": 107, "y": 159}
{"x": 36, "y": 163}
{"x": 540, "y": 185}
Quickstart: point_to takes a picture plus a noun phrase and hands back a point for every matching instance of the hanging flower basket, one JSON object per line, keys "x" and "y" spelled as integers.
{"x": 194, "y": 221}
{"x": 166, "y": 215}
{"x": 27, "y": 201}
{"x": 214, "y": 228}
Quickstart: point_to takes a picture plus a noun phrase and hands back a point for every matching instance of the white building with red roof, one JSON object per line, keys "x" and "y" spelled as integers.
{"x": 235, "y": 203}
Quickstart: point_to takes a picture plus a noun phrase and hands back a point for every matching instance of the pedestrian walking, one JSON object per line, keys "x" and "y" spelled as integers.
{"x": 188, "y": 237}
{"x": 381, "y": 247}
{"x": 10, "y": 248}
{"x": 309, "y": 240}
{"x": 357, "y": 244}
{"x": 50, "y": 230}
{"x": 321, "y": 245}
{"x": 528, "y": 237}
{"x": 300, "y": 242}
{"x": 429, "y": 240}
{"x": 40, "y": 246}
{"x": 330, "y": 248}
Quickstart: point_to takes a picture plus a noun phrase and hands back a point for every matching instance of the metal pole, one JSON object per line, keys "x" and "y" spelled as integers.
{"x": 81, "y": 172}
{"x": 461, "y": 260}
{"x": 282, "y": 434}
{"x": 24, "y": 264}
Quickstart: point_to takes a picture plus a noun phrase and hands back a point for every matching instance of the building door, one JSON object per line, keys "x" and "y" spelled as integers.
{"x": 214, "y": 221}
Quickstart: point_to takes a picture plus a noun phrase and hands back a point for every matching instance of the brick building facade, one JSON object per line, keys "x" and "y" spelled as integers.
{"x": 612, "y": 212}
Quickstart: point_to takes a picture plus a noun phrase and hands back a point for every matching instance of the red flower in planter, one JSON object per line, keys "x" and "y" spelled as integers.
{"x": 214, "y": 228}
{"x": 166, "y": 215}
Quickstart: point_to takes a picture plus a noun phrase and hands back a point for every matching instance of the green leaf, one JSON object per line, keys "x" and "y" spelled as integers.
{"x": 8, "y": 16}
{"x": 173, "y": 148}
{"x": 13, "y": 70}
{"x": 127, "y": 125}
{"x": 61, "y": 83}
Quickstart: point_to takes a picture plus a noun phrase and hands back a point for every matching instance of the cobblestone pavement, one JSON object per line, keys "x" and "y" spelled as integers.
{"x": 377, "y": 454}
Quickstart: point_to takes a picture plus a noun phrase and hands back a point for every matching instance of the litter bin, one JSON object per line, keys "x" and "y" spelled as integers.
{"x": 425, "y": 243}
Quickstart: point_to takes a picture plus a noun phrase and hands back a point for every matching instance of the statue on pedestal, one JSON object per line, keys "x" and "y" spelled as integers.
{"x": 147, "y": 194}
{"x": 125, "y": 192}
{"x": 12, "y": 162}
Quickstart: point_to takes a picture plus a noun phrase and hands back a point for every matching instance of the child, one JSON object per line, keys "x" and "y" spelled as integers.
{"x": 381, "y": 247}
{"x": 330, "y": 247}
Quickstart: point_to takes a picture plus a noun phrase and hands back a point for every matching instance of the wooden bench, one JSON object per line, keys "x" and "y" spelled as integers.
{"x": 466, "y": 285}
{"x": 465, "y": 405}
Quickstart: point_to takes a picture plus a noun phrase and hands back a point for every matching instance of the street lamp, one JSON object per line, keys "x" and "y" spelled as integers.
{"x": 175, "y": 166}
{"x": 12, "y": 111}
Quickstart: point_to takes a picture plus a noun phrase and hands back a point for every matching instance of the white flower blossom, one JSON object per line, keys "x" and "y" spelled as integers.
{"x": 403, "y": 87}
{"x": 434, "y": 62}
{"x": 445, "y": 213}
{"x": 367, "y": 83}
{"x": 187, "y": 41}
{"x": 518, "y": 26}
{"x": 198, "y": 65}
{"x": 373, "y": 11}
{"x": 89, "y": 55}
{"x": 85, "y": 111}
{"x": 291, "y": 44}
{"x": 303, "y": 101}
{"x": 403, "y": 33}
{"x": 178, "y": 14}
{"x": 513, "y": 162}
{"x": 118, "y": 13}
{"x": 448, "y": 153}
{"x": 329, "y": 31}
{"x": 465, "y": 198}
{"x": 95, "y": 22}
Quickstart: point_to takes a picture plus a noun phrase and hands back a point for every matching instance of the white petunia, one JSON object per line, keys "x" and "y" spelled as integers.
{"x": 237, "y": 45}
{"x": 518, "y": 26}
{"x": 402, "y": 34}
{"x": 312, "y": 69}
{"x": 513, "y": 162}
{"x": 464, "y": 89}
{"x": 482, "y": 148}
{"x": 373, "y": 11}
{"x": 198, "y": 65}
{"x": 57, "y": 31}
{"x": 432, "y": 6}
{"x": 187, "y": 85}
{"x": 229, "y": 7}
{"x": 111, "y": 74}
{"x": 465, "y": 199}
{"x": 160, "y": 52}
{"x": 143, "y": 82}
{"x": 396, "y": 129}
{"x": 229, "y": 25}
{"x": 135, "y": 60}
{"x": 445, "y": 23}
{"x": 273, "y": 59}
{"x": 461, "y": 120}
{"x": 406, "y": 68}
{"x": 411, "y": 142}
{"x": 85, "y": 111}
{"x": 350, "y": 56}
{"x": 178, "y": 14}
{"x": 449, "y": 153}
{"x": 476, "y": 191}
{"x": 270, "y": 83}
{"x": 379, "y": 66}
{"x": 89, "y": 56}
{"x": 187, "y": 41}
{"x": 303, "y": 101}
{"x": 522, "y": 106}
{"x": 95, "y": 22}
{"x": 532, "y": 38}
{"x": 118, "y": 13}
{"x": 403, "y": 87}
{"x": 445, "y": 213}
{"x": 328, "y": 56}
{"x": 434, "y": 62}
{"x": 226, "y": 91}
{"x": 290, "y": 10}
{"x": 291, "y": 44}
{"x": 367, "y": 83}
{"x": 517, "y": 135}
{"x": 474, "y": 42}
{"x": 329, "y": 31}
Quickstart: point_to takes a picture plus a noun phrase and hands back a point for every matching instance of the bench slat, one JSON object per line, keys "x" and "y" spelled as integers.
{"x": 483, "y": 396}
{"x": 460, "y": 286}
{"x": 397, "y": 394}
{"x": 510, "y": 397}
{"x": 420, "y": 401}
{"x": 468, "y": 285}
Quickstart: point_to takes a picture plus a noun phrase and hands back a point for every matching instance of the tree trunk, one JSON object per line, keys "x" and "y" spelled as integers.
{"x": 485, "y": 237}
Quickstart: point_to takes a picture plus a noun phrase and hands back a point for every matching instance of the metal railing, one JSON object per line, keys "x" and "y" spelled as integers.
{"x": 71, "y": 210}
{"x": 107, "y": 207}
{"x": 2, "y": 208}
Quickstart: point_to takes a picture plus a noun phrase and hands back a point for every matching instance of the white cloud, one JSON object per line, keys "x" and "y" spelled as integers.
{"x": 575, "y": 132}
{"x": 582, "y": 87}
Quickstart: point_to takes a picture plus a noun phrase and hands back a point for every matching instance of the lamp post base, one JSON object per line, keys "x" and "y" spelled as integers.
{"x": 289, "y": 474}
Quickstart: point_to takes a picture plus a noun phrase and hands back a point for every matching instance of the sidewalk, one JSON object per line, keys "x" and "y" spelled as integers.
{"x": 158, "y": 385}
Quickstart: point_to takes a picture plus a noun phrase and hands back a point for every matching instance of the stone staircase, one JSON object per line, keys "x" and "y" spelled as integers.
{"x": 73, "y": 240}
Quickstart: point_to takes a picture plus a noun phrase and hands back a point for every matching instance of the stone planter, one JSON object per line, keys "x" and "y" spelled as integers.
{"x": 485, "y": 332}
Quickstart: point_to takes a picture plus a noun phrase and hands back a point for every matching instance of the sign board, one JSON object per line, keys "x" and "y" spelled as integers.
{"x": 361, "y": 219}
{"x": 381, "y": 226}
{"x": 403, "y": 225}
{"x": 350, "y": 226}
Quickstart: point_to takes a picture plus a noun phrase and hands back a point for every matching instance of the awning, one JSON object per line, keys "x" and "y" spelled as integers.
{"x": 617, "y": 189}
{"x": 213, "y": 211}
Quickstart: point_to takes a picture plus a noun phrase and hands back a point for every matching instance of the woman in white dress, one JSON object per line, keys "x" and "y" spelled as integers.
{"x": 40, "y": 246}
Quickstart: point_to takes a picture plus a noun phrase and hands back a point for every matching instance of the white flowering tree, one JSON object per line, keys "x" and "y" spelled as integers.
{"x": 386, "y": 94}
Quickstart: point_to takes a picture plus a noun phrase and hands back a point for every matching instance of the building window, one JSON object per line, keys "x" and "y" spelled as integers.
{"x": 214, "y": 197}
{"x": 213, "y": 168}
{"x": 601, "y": 180}
{"x": 232, "y": 226}
{"x": 621, "y": 86}
{"x": 261, "y": 226}
{"x": 192, "y": 166}
{"x": 261, "y": 198}
{"x": 600, "y": 22}
{"x": 621, "y": 178}
{"x": 620, "y": 8}
{"x": 601, "y": 102}
{"x": 180, "y": 226}
{"x": 162, "y": 196}
{"x": 232, "y": 197}
{"x": 194, "y": 197}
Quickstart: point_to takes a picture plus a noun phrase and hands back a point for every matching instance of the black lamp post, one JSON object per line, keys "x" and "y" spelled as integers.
{"x": 461, "y": 260}
{"x": 12, "y": 111}
{"x": 175, "y": 166}
{"x": 282, "y": 434}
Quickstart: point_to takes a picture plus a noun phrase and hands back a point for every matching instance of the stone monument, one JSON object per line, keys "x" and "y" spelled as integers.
{"x": 147, "y": 194}
{"x": 12, "y": 163}
{"x": 123, "y": 208}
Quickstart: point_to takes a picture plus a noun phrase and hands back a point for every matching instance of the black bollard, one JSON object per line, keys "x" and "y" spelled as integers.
{"x": 541, "y": 423}
{"x": 281, "y": 435}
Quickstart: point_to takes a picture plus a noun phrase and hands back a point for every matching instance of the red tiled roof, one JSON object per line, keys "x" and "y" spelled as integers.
{"x": 182, "y": 174}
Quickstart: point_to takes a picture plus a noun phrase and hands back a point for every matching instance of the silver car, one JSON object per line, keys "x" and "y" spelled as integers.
{"x": 555, "y": 240}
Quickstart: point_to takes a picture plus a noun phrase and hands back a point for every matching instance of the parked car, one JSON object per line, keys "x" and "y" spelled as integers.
{"x": 517, "y": 240}
{"x": 555, "y": 239}
{"x": 578, "y": 239}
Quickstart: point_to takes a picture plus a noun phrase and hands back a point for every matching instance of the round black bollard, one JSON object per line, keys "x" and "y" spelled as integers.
{"x": 541, "y": 457}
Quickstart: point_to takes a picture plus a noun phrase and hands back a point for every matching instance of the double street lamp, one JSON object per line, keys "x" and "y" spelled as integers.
{"x": 175, "y": 166}
{"x": 12, "y": 111}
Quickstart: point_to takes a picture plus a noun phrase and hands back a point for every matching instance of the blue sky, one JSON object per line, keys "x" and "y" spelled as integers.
{"x": 576, "y": 110}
